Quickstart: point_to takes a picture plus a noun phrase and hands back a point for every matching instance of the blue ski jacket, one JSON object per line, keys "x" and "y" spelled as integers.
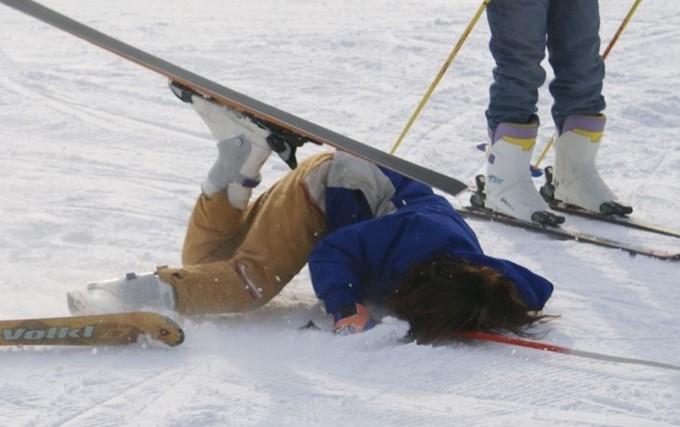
{"x": 379, "y": 224}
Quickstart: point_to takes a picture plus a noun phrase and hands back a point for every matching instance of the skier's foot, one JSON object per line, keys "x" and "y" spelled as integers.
{"x": 130, "y": 293}
{"x": 242, "y": 148}
{"x": 509, "y": 189}
{"x": 284, "y": 143}
{"x": 224, "y": 123}
{"x": 576, "y": 180}
{"x": 478, "y": 199}
{"x": 236, "y": 170}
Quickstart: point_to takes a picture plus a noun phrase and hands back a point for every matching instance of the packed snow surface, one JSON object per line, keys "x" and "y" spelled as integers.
{"x": 100, "y": 166}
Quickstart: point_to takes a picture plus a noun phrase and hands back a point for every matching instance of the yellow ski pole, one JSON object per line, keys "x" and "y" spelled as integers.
{"x": 622, "y": 28}
{"x": 441, "y": 73}
{"x": 545, "y": 150}
{"x": 609, "y": 48}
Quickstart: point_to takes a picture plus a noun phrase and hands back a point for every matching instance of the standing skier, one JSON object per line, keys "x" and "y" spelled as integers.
{"x": 520, "y": 32}
{"x": 370, "y": 236}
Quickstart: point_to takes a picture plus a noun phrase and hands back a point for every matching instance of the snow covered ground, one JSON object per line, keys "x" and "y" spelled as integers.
{"x": 100, "y": 166}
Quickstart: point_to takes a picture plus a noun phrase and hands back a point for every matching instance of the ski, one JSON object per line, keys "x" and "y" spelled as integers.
{"x": 280, "y": 122}
{"x": 94, "y": 330}
{"x": 624, "y": 221}
{"x": 563, "y": 233}
{"x": 614, "y": 213}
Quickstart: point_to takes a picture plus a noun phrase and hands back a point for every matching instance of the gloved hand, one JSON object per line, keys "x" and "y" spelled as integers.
{"x": 351, "y": 319}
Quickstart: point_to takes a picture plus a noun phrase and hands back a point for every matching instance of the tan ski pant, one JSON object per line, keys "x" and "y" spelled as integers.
{"x": 235, "y": 260}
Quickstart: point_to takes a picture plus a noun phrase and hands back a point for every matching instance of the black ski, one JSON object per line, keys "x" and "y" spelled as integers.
{"x": 624, "y": 221}
{"x": 613, "y": 212}
{"x": 562, "y": 233}
{"x": 272, "y": 117}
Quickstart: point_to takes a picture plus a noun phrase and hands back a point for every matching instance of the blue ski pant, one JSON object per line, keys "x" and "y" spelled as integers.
{"x": 521, "y": 30}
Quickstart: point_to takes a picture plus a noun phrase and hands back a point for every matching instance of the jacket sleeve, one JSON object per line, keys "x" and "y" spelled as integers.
{"x": 342, "y": 262}
{"x": 336, "y": 267}
{"x": 376, "y": 250}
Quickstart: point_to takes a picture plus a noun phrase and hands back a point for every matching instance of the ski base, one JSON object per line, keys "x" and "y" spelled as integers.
{"x": 94, "y": 330}
{"x": 563, "y": 233}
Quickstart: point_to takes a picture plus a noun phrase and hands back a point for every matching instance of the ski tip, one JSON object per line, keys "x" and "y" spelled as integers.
{"x": 173, "y": 335}
{"x": 147, "y": 325}
{"x": 162, "y": 328}
{"x": 674, "y": 257}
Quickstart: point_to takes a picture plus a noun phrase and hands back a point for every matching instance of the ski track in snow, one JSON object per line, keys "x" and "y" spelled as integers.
{"x": 100, "y": 167}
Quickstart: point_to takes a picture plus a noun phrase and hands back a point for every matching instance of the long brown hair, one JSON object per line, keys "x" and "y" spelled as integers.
{"x": 446, "y": 295}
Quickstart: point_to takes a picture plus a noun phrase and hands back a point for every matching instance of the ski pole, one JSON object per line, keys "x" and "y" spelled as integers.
{"x": 609, "y": 48}
{"x": 622, "y": 28}
{"x": 440, "y": 74}
{"x": 538, "y": 345}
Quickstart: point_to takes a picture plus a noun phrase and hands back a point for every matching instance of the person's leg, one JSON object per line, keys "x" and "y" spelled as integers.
{"x": 242, "y": 149}
{"x": 215, "y": 224}
{"x": 576, "y": 180}
{"x": 574, "y": 53}
{"x": 214, "y": 231}
{"x": 574, "y": 47}
{"x": 509, "y": 188}
{"x": 278, "y": 231}
{"x": 518, "y": 41}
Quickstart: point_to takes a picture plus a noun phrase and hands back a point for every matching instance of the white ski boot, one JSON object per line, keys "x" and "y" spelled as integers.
{"x": 576, "y": 180}
{"x": 130, "y": 293}
{"x": 242, "y": 148}
{"x": 508, "y": 188}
